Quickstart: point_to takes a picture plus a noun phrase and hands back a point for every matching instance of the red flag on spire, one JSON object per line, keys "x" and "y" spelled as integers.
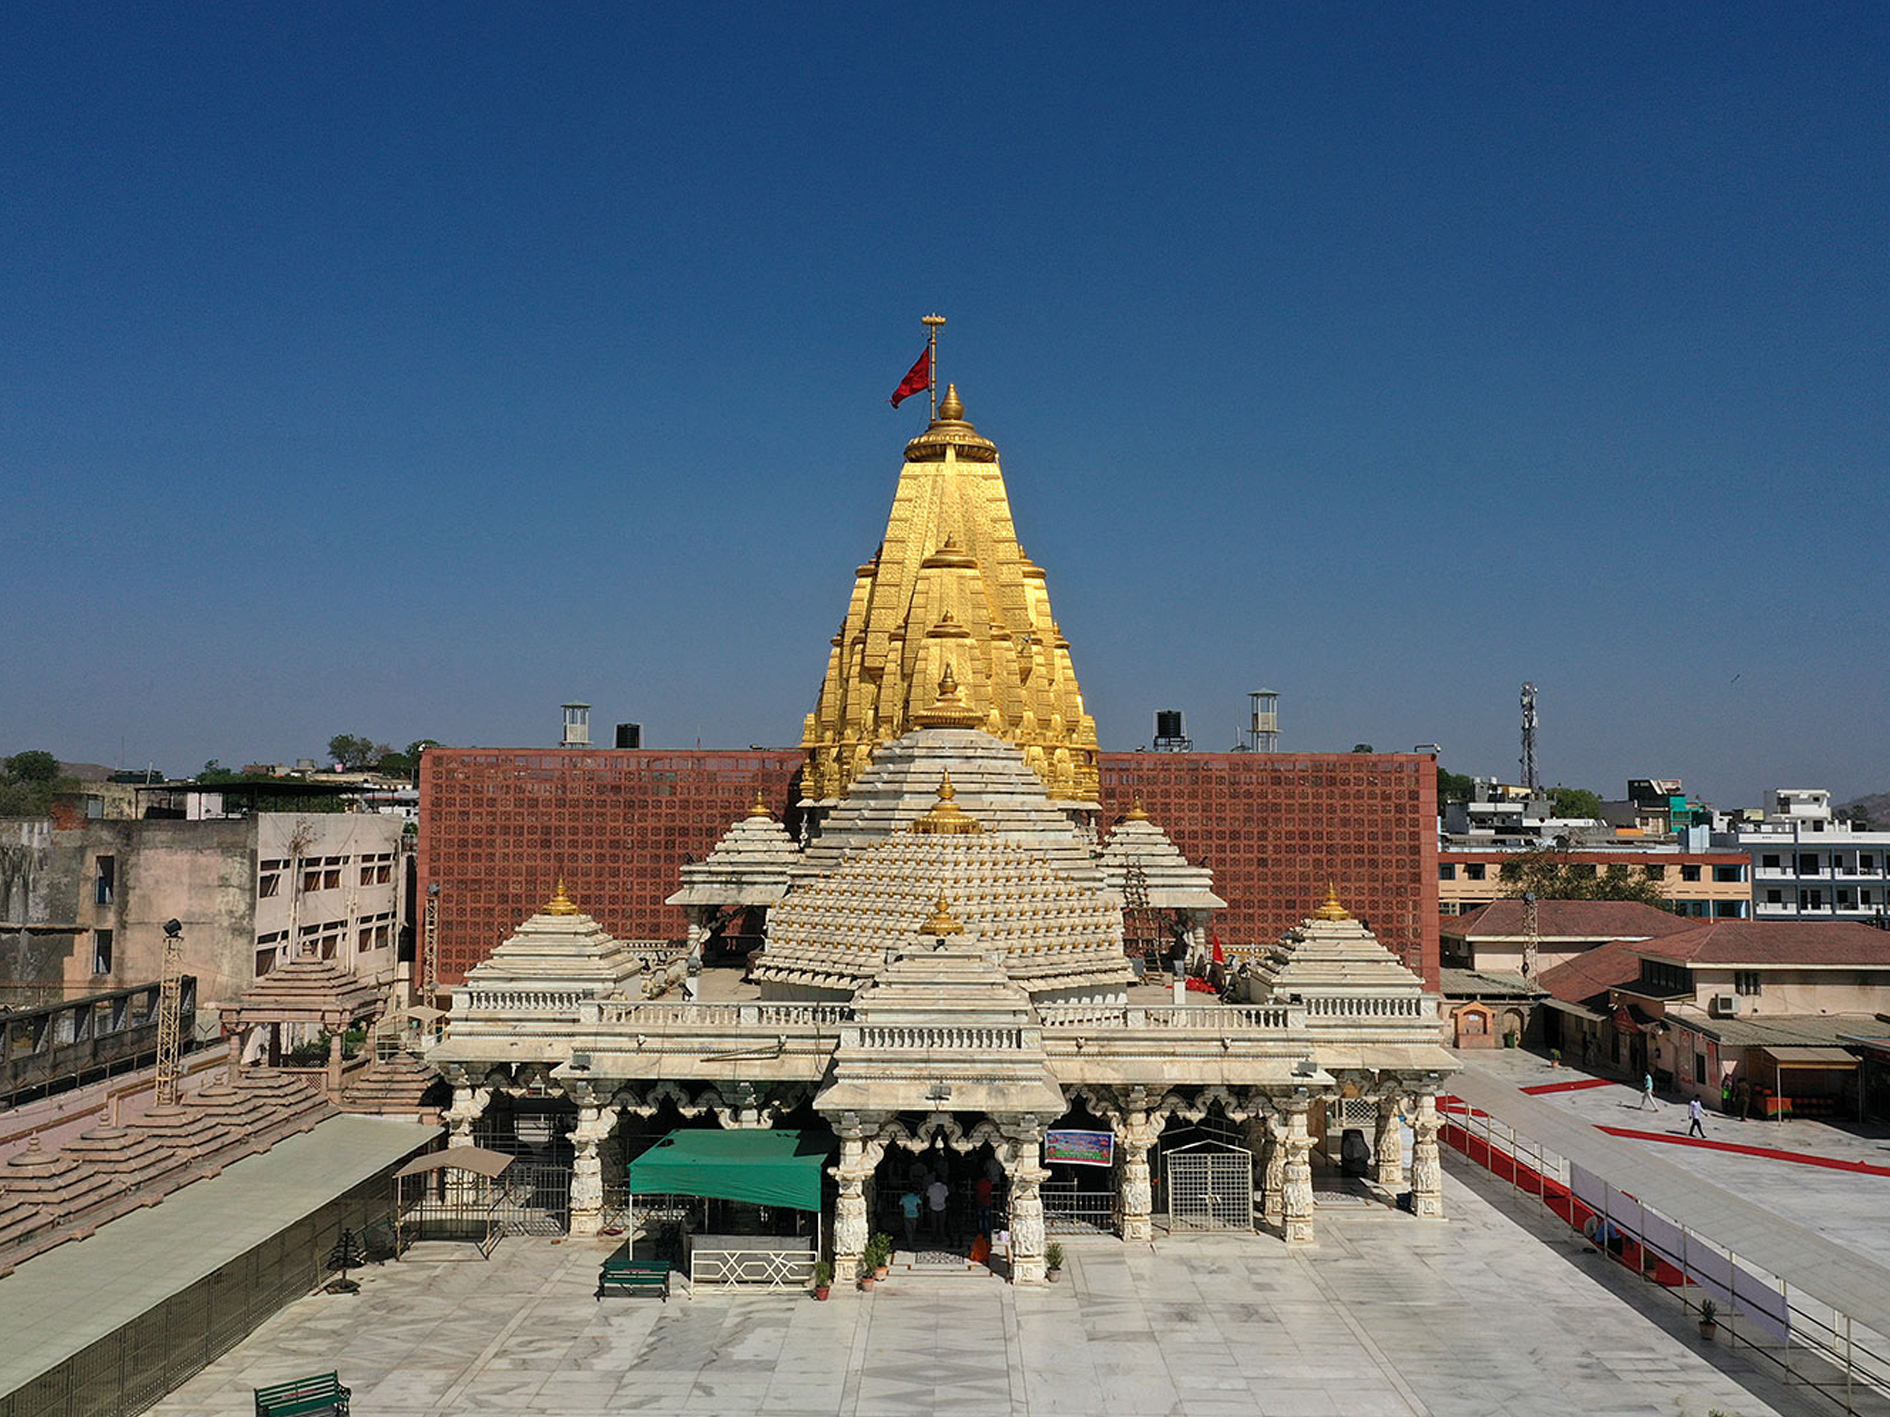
{"x": 918, "y": 378}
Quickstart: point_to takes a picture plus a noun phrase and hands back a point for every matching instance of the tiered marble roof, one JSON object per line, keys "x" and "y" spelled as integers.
{"x": 1050, "y": 932}
{"x": 559, "y": 948}
{"x": 1331, "y": 953}
{"x": 1174, "y": 882}
{"x": 993, "y": 784}
{"x": 753, "y": 864}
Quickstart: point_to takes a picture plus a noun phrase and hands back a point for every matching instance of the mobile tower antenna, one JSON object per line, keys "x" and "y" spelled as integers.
{"x": 1531, "y": 779}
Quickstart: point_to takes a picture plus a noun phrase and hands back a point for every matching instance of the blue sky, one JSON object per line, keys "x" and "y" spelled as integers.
{"x": 406, "y": 370}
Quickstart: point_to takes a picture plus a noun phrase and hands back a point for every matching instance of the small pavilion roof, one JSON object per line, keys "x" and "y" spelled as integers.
{"x": 753, "y": 864}
{"x": 307, "y": 991}
{"x": 1174, "y": 882}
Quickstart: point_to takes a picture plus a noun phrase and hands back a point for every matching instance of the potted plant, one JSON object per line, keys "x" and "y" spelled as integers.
{"x": 881, "y": 1249}
{"x": 866, "y": 1273}
{"x": 823, "y": 1280}
{"x": 1709, "y": 1318}
{"x": 1053, "y": 1261}
{"x": 1555, "y": 1057}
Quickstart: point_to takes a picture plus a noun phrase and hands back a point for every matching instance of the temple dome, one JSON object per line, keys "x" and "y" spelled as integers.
{"x": 1054, "y": 936}
{"x": 1173, "y": 881}
{"x": 751, "y": 865}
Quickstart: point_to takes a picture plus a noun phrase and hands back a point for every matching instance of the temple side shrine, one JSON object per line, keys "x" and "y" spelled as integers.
{"x": 942, "y": 985}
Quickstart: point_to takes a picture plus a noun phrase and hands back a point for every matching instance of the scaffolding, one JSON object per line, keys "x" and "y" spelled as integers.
{"x": 170, "y": 1029}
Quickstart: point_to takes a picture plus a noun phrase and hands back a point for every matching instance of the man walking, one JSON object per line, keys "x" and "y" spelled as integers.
{"x": 936, "y": 1195}
{"x": 909, "y": 1212}
{"x": 1696, "y": 1119}
{"x": 1647, "y": 1091}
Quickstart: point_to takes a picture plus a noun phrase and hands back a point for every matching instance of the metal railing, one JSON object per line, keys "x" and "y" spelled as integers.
{"x": 1815, "y": 1346}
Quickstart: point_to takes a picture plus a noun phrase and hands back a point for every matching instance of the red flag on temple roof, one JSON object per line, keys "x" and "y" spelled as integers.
{"x": 1219, "y": 958}
{"x": 918, "y": 378}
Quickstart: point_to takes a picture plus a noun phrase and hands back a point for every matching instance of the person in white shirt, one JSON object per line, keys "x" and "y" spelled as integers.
{"x": 1696, "y": 1119}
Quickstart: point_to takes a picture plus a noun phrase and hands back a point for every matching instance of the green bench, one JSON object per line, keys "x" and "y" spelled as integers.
{"x": 621, "y": 1273}
{"x": 321, "y": 1393}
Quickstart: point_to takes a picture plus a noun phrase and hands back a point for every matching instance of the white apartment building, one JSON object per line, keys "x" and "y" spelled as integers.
{"x": 1809, "y": 864}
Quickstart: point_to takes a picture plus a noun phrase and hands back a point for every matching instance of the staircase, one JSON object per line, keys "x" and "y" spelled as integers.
{"x": 946, "y": 1266}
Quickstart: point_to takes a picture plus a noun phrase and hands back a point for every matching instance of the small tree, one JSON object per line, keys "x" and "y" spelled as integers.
{"x": 1552, "y": 876}
{"x": 1574, "y": 802}
{"x": 356, "y": 753}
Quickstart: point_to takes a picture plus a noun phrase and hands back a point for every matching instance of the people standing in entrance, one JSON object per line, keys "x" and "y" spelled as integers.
{"x": 984, "y": 1191}
{"x": 1647, "y": 1091}
{"x": 1696, "y": 1119}
{"x": 909, "y": 1212}
{"x": 936, "y": 1195}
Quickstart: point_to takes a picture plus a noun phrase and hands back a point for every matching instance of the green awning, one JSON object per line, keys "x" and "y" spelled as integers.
{"x": 763, "y": 1167}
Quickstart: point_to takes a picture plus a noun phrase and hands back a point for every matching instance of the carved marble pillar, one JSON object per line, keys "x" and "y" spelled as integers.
{"x": 1427, "y": 1166}
{"x": 850, "y": 1218}
{"x": 468, "y": 1104}
{"x": 1135, "y": 1197}
{"x": 594, "y": 1123}
{"x": 1388, "y": 1146}
{"x": 1296, "y": 1193}
{"x": 1027, "y": 1176}
{"x": 1273, "y": 1174}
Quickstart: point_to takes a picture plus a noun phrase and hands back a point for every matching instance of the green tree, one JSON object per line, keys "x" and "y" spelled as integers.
{"x": 1363, "y": 748}
{"x": 1574, "y": 802}
{"x": 356, "y": 753}
{"x": 1552, "y": 876}
{"x": 33, "y": 766}
{"x": 1453, "y": 786}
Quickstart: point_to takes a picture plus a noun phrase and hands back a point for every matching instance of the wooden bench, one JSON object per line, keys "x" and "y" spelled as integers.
{"x": 621, "y": 1273}
{"x": 321, "y": 1393}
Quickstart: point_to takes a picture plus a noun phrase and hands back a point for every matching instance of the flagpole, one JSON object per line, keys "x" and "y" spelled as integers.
{"x": 932, "y": 322}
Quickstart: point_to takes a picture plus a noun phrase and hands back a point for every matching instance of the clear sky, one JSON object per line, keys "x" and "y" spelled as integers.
{"x": 408, "y": 369}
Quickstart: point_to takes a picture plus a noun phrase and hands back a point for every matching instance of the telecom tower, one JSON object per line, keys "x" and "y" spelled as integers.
{"x": 1531, "y": 779}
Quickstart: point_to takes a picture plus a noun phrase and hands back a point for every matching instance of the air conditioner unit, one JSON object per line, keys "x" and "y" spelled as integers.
{"x": 1723, "y": 1006}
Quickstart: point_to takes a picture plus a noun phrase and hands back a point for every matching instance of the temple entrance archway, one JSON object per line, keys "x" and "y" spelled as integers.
{"x": 1210, "y": 1186}
{"x": 959, "y": 1154}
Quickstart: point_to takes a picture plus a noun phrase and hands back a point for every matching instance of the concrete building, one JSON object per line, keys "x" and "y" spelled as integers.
{"x": 83, "y": 901}
{"x": 1810, "y": 864}
{"x": 1702, "y": 885}
{"x": 1706, "y": 1008}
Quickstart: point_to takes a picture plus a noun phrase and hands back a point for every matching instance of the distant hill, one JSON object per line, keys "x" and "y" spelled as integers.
{"x": 1876, "y": 807}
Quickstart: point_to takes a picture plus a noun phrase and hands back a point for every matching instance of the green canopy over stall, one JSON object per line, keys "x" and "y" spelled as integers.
{"x": 762, "y": 1167}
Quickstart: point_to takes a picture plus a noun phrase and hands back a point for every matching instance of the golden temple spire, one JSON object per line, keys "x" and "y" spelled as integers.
{"x": 560, "y": 903}
{"x": 1332, "y": 910}
{"x": 760, "y": 809}
{"x": 1135, "y": 813}
{"x": 950, "y": 581}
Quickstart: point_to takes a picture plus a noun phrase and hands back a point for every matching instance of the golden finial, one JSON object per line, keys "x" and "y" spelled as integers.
{"x": 941, "y": 924}
{"x": 949, "y": 709}
{"x": 1135, "y": 813}
{"x": 1332, "y": 910}
{"x": 560, "y": 903}
{"x": 950, "y": 410}
{"x": 946, "y": 818}
{"x": 760, "y": 809}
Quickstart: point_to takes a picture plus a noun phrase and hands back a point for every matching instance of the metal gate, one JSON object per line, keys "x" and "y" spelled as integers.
{"x": 536, "y": 1198}
{"x": 1210, "y": 1187}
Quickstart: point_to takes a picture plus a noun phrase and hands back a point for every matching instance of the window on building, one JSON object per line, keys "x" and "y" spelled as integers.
{"x": 1808, "y": 864}
{"x": 268, "y": 884}
{"x": 1473, "y": 871}
{"x": 94, "y": 808}
{"x": 101, "y": 952}
{"x": 1655, "y": 873}
{"x": 1446, "y": 871}
{"x": 1746, "y": 981}
{"x": 331, "y": 878}
{"x": 105, "y": 882}
{"x": 1729, "y": 873}
{"x": 312, "y": 878}
{"x": 1689, "y": 873}
{"x": 1729, "y": 910}
{"x": 1699, "y": 1067}
{"x": 1769, "y": 861}
{"x": 1774, "y": 897}
{"x": 265, "y": 961}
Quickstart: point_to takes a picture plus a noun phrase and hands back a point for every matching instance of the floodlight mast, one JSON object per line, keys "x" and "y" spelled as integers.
{"x": 170, "y": 1053}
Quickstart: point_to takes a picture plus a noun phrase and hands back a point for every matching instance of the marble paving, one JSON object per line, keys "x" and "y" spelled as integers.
{"x": 1486, "y": 1313}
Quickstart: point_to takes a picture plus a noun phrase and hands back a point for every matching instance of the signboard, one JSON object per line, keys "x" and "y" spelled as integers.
{"x": 1079, "y": 1148}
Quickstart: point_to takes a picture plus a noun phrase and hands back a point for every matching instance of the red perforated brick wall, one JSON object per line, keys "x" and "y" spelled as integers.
{"x": 1275, "y": 827}
{"x": 498, "y": 826}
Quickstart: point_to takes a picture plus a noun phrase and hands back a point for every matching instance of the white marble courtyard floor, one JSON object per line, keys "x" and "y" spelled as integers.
{"x": 1489, "y": 1312}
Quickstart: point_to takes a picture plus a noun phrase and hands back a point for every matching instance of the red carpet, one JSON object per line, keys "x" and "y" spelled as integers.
{"x": 1578, "y": 1085}
{"x": 1769, "y": 1153}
